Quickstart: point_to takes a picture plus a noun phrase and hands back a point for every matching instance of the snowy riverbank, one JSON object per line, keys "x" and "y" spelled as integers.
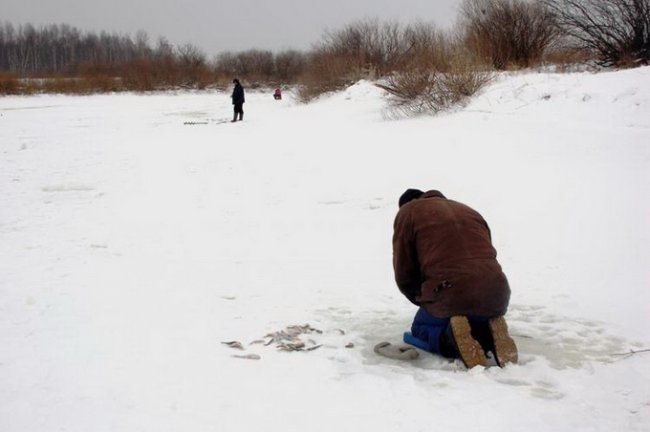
{"x": 132, "y": 245}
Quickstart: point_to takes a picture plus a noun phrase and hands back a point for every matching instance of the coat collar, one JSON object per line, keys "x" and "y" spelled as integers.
{"x": 433, "y": 194}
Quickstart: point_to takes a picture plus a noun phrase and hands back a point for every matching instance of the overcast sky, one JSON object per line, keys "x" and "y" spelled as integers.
{"x": 218, "y": 25}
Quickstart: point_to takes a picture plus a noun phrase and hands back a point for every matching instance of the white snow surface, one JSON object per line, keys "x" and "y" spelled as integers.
{"x": 133, "y": 245}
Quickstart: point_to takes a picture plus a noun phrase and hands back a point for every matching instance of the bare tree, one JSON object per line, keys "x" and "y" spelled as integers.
{"x": 289, "y": 65}
{"x": 367, "y": 45}
{"x": 191, "y": 56}
{"x": 192, "y": 64}
{"x": 617, "y": 31}
{"x": 507, "y": 32}
{"x": 254, "y": 65}
{"x": 425, "y": 47}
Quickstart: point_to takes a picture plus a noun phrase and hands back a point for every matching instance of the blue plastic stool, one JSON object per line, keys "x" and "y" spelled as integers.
{"x": 418, "y": 343}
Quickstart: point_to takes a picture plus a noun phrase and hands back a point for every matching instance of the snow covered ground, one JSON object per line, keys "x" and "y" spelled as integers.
{"x": 133, "y": 245}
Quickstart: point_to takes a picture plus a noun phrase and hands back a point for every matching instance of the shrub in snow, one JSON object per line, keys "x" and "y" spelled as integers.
{"x": 424, "y": 89}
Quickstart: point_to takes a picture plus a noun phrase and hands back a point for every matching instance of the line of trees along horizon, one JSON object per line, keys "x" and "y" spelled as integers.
{"x": 413, "y": 60}
{"x": 63, "y": 51}
{"x": 61, "y": 48}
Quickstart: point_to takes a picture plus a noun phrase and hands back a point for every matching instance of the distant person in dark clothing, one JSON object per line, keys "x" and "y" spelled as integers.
{"x": 445, "y": 263}
{"x": 278, "y": 94}
{"x": 238, "y": 100}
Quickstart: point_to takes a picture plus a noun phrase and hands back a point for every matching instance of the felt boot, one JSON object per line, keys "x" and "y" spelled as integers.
{"x": 505, "y": 350}
{"x": 469, "y": 350}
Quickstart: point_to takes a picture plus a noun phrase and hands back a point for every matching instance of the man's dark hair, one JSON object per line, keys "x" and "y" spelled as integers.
{"x": 410, "y": 195}
{"x": 235, "y": 81}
